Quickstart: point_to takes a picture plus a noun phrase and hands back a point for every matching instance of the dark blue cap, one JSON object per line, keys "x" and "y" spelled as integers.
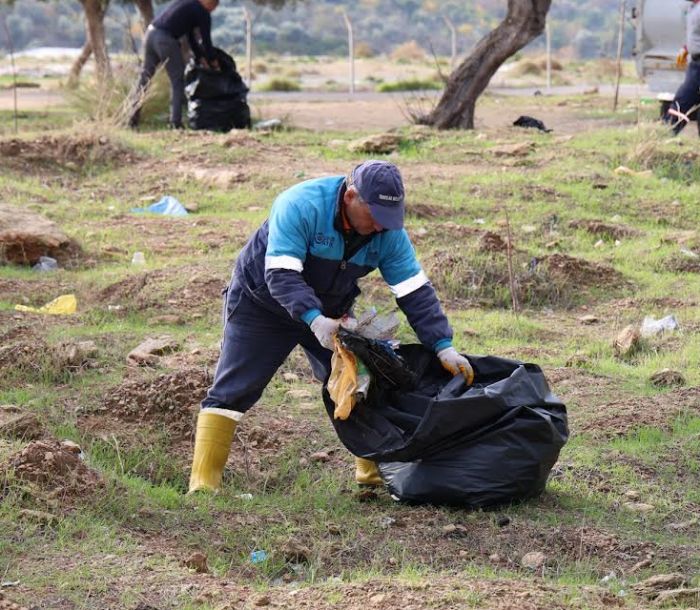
{"x": 380, "y": 185}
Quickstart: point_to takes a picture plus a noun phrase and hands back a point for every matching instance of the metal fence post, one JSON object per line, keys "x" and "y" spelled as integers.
{"x": 351, "y": 51}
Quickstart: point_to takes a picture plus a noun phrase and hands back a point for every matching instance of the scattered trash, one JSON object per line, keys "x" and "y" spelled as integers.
{"x": 46, "y": 263}
{"x": 479, "y": 221}
{"x": 138, "y": 259}
{"x": 268, "y": 125}
{"x": 66, "y": 304}
{"x": 9, "y": 583}
{"x": 689, "y": 253}
{"x": 609, "y": 577}
{"x": 530, "y": 122}
{"x": 245, "y": 496}
{"x": 167, "y": 206}
{"x": 651, "y": 326}
{"x": 258, "y": 556}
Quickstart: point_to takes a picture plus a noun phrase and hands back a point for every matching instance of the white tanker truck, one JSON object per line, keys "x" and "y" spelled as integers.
{"x": 660, "y": 27}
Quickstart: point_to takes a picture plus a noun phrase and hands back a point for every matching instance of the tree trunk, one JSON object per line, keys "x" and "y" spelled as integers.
{"x": 79, "y": 63}
{"x": 146, "y": 11}
{"x": 524, "y": 21}
{"x": 95, "y": 14}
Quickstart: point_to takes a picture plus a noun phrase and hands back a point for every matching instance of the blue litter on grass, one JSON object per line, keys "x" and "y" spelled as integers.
{"x": 258, "y": 556}
{"x": 167, "y": 206}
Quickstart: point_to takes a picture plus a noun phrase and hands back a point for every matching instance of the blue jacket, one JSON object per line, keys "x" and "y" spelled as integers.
{"x": 300, "y": 263}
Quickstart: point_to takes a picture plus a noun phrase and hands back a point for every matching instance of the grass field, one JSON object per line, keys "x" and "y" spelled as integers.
{"x": 595, "y": 251}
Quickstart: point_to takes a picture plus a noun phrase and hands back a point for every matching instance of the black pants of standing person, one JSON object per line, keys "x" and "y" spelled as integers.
{"x": 162, "y": 48}
{"x": 687, "y": 96}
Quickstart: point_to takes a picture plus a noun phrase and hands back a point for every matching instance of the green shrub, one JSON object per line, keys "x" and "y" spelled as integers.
{"x": 280, "y": 84}
{"x": 413, "y": 84}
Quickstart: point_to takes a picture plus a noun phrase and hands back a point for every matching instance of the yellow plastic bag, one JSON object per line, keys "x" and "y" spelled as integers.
{"x": 66, "y": 304}
{"x": 342, "y": 383}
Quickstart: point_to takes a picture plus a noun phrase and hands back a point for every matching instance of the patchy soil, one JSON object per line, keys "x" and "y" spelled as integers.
{"x": 599, "y": 407}
{"x": 604, "y": 230}
{"x": 170, "y": 399}
{"x": 185, "y": 291}
{"x": 54, "y": 468}
{"x": 621, "y": 417}
{"x": 479, "y": 274}
{"x": 683, "y": 264}
{"x": 67, "y": 151}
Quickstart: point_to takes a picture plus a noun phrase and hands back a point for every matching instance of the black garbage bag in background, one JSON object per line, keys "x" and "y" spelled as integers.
{"x": 216, "y": 99}
{"x": 444, "y": 443}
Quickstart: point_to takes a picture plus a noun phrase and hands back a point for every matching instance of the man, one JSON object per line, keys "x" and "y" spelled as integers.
{"x": 162, "y": 45}
{"x": 293, "y": 284}
{"x": 688, "y": 95}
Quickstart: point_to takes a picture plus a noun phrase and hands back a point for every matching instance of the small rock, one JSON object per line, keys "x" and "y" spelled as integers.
{"x": 651, "y": 587}
{"x": 520, "y": 149}
{"x": 25, "y": 427}
{"x": 677, "y": 597}
{"x": 495, "y": 557}
{"x": 683, "y": 525}
{"x": 148, "y": 351}
{"x": 290, "y": 377}
{"x": 299, "y": 394}
{"x": 577, "y": 360}
{"x": 627, "y": 342}
{"x": 197, "y": 562}
{"x": 638, "y": 507}
{"x": 333, "y": 529}
{"x": 667, "y": 378}
{"x": 640, "y": 565}
{"x": 71, "y": 447}
{"x": 589, "y": 319}
{"x": 377, "y": 599}
{"x": 73, "y": 355}
{"x": 320, "y": 456}
{"x": 303, "y": 461}
{"x": 263, "y": 600}
{"x": 295, "y": 552}
{"x": 533, "y": 560}
{"x": 166, "y": 320}
{"x": 502, "y": 520}
{"x": 382, "y": 143}
{"x": 37, "y": 515}
{"x": 632, "y": 495}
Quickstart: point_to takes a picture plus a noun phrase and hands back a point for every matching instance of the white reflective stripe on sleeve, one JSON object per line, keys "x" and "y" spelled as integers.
{"x": 234, "y": 415}
{"x": 410, "y": 285}
{"x": 284, "y": 262}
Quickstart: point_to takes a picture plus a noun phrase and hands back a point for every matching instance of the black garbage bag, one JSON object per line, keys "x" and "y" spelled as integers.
{"x": 216, "y": 99}
{"x": 444, "y": 443}
{"x": 530, "y": 122}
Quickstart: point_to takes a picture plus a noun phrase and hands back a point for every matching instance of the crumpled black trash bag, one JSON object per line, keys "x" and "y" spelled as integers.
{"x": 531, "y": 122}
{"x": 216, "y": 99}
{"x": 443, "y": 443}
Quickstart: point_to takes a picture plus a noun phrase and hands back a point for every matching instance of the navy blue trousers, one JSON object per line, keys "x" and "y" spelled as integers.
{"x": 687, "y": 96}
{"x": 256, "y": 342}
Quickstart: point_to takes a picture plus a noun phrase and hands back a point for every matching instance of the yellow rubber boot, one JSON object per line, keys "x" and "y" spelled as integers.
{"x": 367, "y": 473}
{"x": 212, "y": 444}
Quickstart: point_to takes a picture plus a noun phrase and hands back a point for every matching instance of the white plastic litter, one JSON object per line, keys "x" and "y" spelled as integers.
{"x": 651, "y": 326}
